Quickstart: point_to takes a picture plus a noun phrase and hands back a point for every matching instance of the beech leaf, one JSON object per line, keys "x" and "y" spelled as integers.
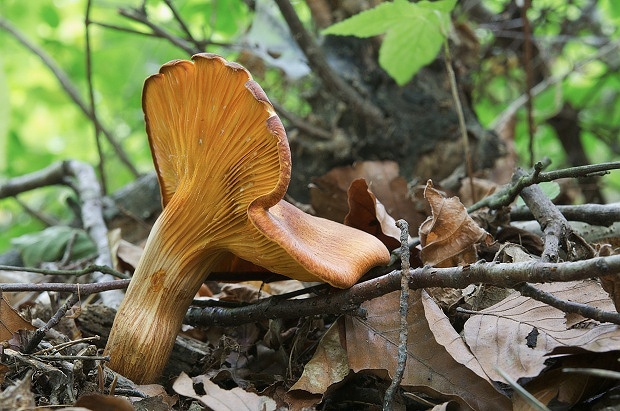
{"x": 329, "y": 364}
{"x": 328, "y": 193}
{"x": 219, "y": 399}
{"x": 372, "y": 344}
{"x": 11, "y": 321}
{"x": 519, "y": 333}
{"x": 414, "y": 33}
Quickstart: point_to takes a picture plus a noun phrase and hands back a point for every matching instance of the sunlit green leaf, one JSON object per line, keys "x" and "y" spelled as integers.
{"x": 414, "y": 33}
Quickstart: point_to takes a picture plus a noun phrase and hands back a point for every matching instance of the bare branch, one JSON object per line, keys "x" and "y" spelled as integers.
{"x": 509, "y": 192}
{"x": 342, "y": 301}
{"x": 319, "y": 64}
{"x": 81, "y": 177}
{"x": 141, "y": 17}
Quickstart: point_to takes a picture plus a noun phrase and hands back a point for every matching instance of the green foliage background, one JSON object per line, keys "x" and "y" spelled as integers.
{"x": 40, "y": 124}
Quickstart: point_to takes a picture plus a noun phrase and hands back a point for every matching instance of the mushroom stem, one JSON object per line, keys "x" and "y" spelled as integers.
{"x": 161, "y": 290}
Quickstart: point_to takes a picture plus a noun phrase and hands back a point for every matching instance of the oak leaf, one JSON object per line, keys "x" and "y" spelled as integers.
{"x": 519, "y": 333}
{"x": 372, "y": 344}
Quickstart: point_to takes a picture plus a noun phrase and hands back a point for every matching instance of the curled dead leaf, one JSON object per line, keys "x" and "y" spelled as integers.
{"x": 328, "y": 193}
{"x": 448, "y": 237}
{"x": 366, "y": 213}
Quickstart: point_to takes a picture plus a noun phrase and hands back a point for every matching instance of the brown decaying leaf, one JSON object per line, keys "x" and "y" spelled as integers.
{"x": 610, "y": 283}
{"x": 99, "y": 402}
{"x": 11, "y": 321}
{"x": 449, "y": 235}
{"x": 329, "y": 364}
{"x": 219, "y": 399}
{"x": 156, "y": 390}
{"x": 498, "y": 336}
{"x": 372, "y": 344}
{"x": 366, "y": 213}
{"x": 328, "y": 193}
{"x": 568, "y": 389}
{"x": 482, "y": 189}
{"x": 446, "y": 335}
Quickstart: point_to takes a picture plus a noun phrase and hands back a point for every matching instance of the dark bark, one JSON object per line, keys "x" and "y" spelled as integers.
{"x": 418, "y": 125}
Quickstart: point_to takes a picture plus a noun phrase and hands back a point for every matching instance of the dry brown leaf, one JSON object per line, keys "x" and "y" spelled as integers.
{"x": 518, "y": 333}
{"x": 328, "y": 365}
{"x": 568, "y": 389}
{"x": 610, "y": 283}
{"x": 11, "y": 321}
{"x": 328, "y": 193}
{"x": 528, "y": 240}
{"x": 247, "y": 291}
{"x": 366, "y": 213}
{"x": 446, "y": 335}
{"x": 156, "y": 390}
{"x": 100, "y": 402}
{"x": 372, "y": 344}
{"x": 219, "y": 399}
{"x": 128, "y": 254}
{"x": 482, "y": 188}
{"x": 449, "y": 235}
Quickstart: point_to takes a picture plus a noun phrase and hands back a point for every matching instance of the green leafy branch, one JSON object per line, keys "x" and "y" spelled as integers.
{"x": 414, "y": 33}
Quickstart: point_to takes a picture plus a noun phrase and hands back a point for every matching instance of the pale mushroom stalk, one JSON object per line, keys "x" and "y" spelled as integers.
{"x": 223, "y": 164}
{"x": 145, "y": 332}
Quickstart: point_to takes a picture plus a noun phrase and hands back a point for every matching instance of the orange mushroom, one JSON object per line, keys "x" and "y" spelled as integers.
{"x": 224, "y": 165}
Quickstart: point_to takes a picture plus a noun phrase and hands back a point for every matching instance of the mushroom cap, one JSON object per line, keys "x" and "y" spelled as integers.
{"x": 224, "y": 164}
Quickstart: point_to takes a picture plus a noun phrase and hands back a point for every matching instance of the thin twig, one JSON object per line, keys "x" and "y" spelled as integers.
{"x": 179, "y": 19}
{"x": 85, "y": 289}
{"x": 510, "y": 111}
{"x": 553, "y": 224}
{"x": 584, "y": 310}
{"x": 302, "y": 124}
{"x": 72, "y": 357}
{"x": 91, "y": 97}
{"x": 532, "y": 401}
{"x": 459, "y": 113}
{"x": 141, "y": 17}
{"x": 404, "y": 311}
{"x": 39, "y": 334}
{"x": 501, "y": 275}
{"x": 527, "y": 66}
{"x": 318, "y": 62}
{"x": 594, "y": 214}
{"x": 509, "y": 192}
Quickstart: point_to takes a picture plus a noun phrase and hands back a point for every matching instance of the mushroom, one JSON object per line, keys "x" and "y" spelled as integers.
{"x": 224, "y": 164}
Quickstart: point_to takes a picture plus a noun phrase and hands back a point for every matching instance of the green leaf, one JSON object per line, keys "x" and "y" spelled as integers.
{"x": 51, "y": 243}
{"x": 414, "y": 33}
{"x": 375, "y": 21}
